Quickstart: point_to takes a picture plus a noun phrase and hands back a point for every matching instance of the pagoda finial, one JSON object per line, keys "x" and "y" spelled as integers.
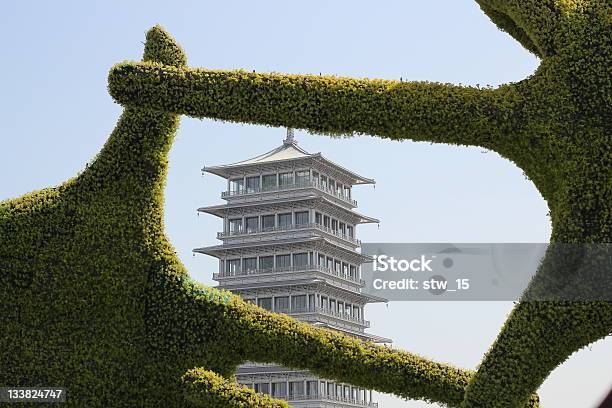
{"x": 290, "y": 140}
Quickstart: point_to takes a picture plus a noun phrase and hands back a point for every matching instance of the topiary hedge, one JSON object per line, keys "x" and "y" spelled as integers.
{"x": 92, "y": 289}
{"x": 94, "y": 298}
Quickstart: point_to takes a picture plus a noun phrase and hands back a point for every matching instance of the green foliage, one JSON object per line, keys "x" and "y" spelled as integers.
{"x": 92, "y": 289}
{"x": 555, "y": 125}
{"x": 94, "y": 298}
{"x": 207, "y": 389}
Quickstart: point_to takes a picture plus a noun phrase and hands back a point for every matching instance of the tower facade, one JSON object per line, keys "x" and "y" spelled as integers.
{"x": 289, "y": 245}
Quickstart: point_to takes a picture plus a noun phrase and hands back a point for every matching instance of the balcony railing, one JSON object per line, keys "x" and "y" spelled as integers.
{"x": 298, "y": 268}
{"x": 291, "y": 227}
{"x": 328, "y": 312}
{"x": 294, "y": 186}
{"x": 352, "y": 401}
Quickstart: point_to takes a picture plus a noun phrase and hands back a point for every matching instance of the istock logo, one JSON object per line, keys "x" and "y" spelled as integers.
{"x": 383, "y": 263}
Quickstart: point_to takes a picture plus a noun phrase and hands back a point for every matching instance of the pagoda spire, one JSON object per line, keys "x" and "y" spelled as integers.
{"x": 290, "y": 140}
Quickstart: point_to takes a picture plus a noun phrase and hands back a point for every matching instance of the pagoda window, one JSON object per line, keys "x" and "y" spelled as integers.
{"x": 321, "y": 260}
{"x": 263, "y": 388}
{"x": 265, "y": 303}
{"x": 323, "y": 304}
{"x": 283, "y": 261}
{"x": 298, "y": 303}
{"x": 285, "y": 180}
{"x": 347, "y": 191}
{"x": 296, "y": 388}
{"x": 249, "y": 265}
{"x": 356, "y": 312}
{"x": 251, "y": 224}
{"x": 281, "y": 304}
{"x": 312, "y": 388}
{"x": 331, "y": 389}
{"x": 300, "y": 259}
{"x": 279, "y": 389}
{"x": 332, "y": 185}
{"x": 237, "y": 185}
{"x": 268, "y": 182}
{"x": 337, "y": 266}
{"x": 351, "y": 231}
{"x": 323, "y": 182}
{"x": 332, "y": 305}
{"x": 311, "y": 302}
{"x": 330, "y": 263}
{"x": 284, "y": 220}
{"x": 334, "y": 225}
{"x": 267, "y": 222}
{"x": 232, "y": 267}
{"x": 235, "y": 226}
{"x": 353, "y": 272}
{"x": 345, "y": 270}
{"x": 342, "y": 228}
{"x": 339, "y": 190}
{"x": 302, "y": 178}
{"x": 348, "y": 310}
{"x": 266, "y": 262}
{"x": 315, "y": 177}
{"x": 326, "y": 221}
{"x": 318, "y": 218}
{"x": 301, "y": 218}
{"x": 323, "y": 387}
{"x": 252, "y": 184}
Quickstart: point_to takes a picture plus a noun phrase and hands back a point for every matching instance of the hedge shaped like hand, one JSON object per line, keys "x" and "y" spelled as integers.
{"x": 555, "y": 125}
{"x": 94, "y": 298}
{"x": 93, "y": 291}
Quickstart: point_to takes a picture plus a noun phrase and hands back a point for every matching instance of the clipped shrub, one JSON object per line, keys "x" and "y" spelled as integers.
{"x": 92, "y": 290}
{"x": 93, "y": 297}
{"x": 207, "y": 389}
{"x": 555, "y": 125}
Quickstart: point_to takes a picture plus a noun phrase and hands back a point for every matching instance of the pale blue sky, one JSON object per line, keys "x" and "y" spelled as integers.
{"x": 55, "y": 114}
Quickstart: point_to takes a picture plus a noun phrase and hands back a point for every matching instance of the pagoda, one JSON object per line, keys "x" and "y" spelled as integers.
{"x": 289, "y": 245}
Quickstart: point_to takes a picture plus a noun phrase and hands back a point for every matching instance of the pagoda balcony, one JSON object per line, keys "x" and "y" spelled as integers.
{"x": 331, "y": 317}
{"x": 285, "y": 273}
{"x": 223, "y": 235}
{"x": 338, "y": 400}
{"x": 300, "y": 186}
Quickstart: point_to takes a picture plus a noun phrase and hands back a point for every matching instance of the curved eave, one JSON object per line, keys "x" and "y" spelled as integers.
{"x": 357, "y": 179}
{"x": 367, "y": 220}
{"x": 217, "y": 250}
{"x": 375, "y": 299}
{"x": 218, "y": 210}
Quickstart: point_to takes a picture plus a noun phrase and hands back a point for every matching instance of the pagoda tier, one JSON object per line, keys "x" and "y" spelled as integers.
{"x": 316, "y": 302}
{"x": 289, "y": 245}
{"x": 301, "y": 389}
{"x": 300, "y": 199}
{"x": 307, "y": 237}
